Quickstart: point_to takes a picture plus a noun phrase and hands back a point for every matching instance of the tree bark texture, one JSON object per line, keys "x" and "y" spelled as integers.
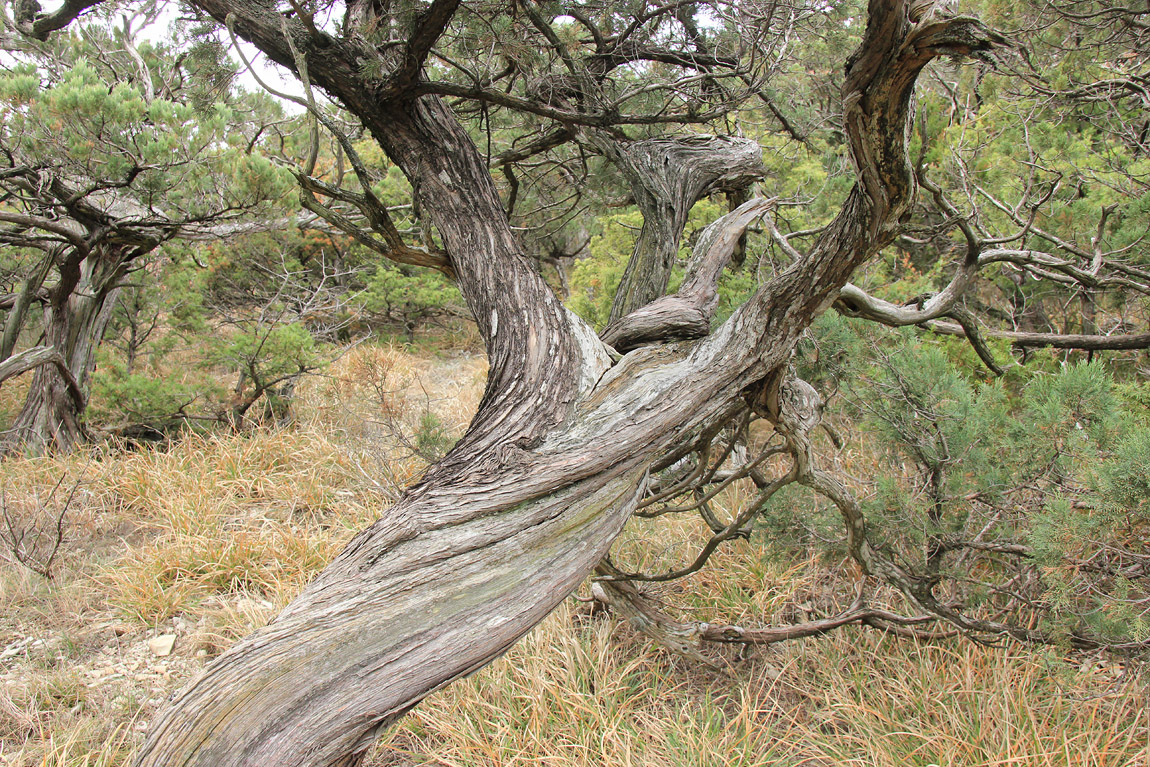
{"x": 530, "y": 500}
{"x": 687, "y": 314}
{"x": 78, "y": 310}
{"x": 666, "y": 178}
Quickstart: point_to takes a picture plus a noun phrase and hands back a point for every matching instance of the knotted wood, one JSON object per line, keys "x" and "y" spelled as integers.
{"x": 667, "y": 177}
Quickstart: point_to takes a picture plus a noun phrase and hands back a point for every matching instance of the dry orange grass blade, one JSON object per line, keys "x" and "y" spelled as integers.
{"x": 854, "y": 698}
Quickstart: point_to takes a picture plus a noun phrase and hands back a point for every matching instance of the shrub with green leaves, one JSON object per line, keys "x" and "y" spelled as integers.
{"x": 1023, "y": 504}
{"x": 408, "y": 296}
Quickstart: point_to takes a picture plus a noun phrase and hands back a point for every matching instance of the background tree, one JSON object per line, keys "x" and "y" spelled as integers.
{"x": 109, "y": 151}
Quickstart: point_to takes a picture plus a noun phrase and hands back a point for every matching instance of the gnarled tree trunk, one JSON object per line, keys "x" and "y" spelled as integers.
{"x": 77, "y": 312}
{"x": 667, "y": 177}
{"x": 529, "y": 501}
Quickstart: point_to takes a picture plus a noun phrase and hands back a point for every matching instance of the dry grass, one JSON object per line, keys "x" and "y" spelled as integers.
{"x": 585, "y": 690}
{"x": 207, "y": 539}
{"x": 582, "y": 691}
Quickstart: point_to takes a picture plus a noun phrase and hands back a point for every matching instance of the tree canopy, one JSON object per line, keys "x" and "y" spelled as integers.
{"x": 110, "y": 148}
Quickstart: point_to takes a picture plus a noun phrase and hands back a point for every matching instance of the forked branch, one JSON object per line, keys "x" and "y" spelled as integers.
{"x": 688, "y": 312}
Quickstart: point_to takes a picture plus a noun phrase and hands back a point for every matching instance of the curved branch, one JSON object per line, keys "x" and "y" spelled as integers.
{"x": 599, "y": 119}
{"x": 969, "y": 324}
{"x": 666, "y": 178}
{"x": 30, "y": 359}
{"x": 732, "y": 530}
{"x": 71, "y": 234}
{"x": 855, "y": 302}
{"x": 878, "y": 104}
{"x": 687, "y": 313}
{"x": 555, "y": 138}
{"x": 683, "y": 637}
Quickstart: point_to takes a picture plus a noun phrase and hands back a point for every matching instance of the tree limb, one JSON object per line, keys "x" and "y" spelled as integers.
{"x": 1118, "y": 341}
{"x": 666, "y": 178}
{"x": 31, "y": 21}
{"x": 429, "y": 26}
{"x": 30, "y": 359}
{"x": 683, "y": 637}
{"x": 688, "y": 313}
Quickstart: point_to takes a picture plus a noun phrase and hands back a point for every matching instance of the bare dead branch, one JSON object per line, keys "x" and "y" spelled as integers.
{"x": 30, "y": 359}
{"x": 684, "y": 638}
{"x": 1118, "y": 341}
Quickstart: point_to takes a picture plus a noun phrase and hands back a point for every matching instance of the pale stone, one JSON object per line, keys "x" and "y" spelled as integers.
{"x": 162, "y": 645}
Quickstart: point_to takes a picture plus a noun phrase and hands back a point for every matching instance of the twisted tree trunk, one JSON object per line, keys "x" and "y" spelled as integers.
{"x": 78, "y": 310}
{"x": 667, "y": 177}
{"x": 529, "y": 501}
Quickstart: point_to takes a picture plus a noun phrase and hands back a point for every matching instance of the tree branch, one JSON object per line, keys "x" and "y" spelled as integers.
{"x": 683, "y": 638}
{"x": 688, "y": 313}
{"x": 31, "y": 21}
{"x": 1118, "y": 341}
{"x": 429, "y": 26}
{"x": 666, "y": 178}
{"x": 30, "y": 359}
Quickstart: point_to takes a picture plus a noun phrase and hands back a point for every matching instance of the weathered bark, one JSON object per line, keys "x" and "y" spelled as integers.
{"x": 78, "y": 310}
{"x": 666, "y": 178}
{"x": 687, "y": 314}
{"x": 511, "y": 520}
{"x": 30, "y": 359}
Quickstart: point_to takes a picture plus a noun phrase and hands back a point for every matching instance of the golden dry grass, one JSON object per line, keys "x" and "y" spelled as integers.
{"x": 208, "y": 538}
{"x": 583, "y": 691}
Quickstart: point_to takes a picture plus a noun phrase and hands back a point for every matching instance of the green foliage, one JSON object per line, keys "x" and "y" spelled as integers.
{"x": 407, "y": 295}
{"x": 1051, "y": 463}
{"x": 432, "y": 439}
{"x": 926, "y": 413}
{"x": 186, "y": 161}
{"x": 1078, "y": 400}
{"x": 281, "y": 351}
{"x": 142, "y": 400}
{"x": 595, "y": 279}
{"x": 1124, "y": 480}
{"x": 110, "y": 151}
{"x": 183, "y": 330}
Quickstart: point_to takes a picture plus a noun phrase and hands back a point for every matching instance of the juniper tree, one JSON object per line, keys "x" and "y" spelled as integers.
{"x": 576, "y": 432}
